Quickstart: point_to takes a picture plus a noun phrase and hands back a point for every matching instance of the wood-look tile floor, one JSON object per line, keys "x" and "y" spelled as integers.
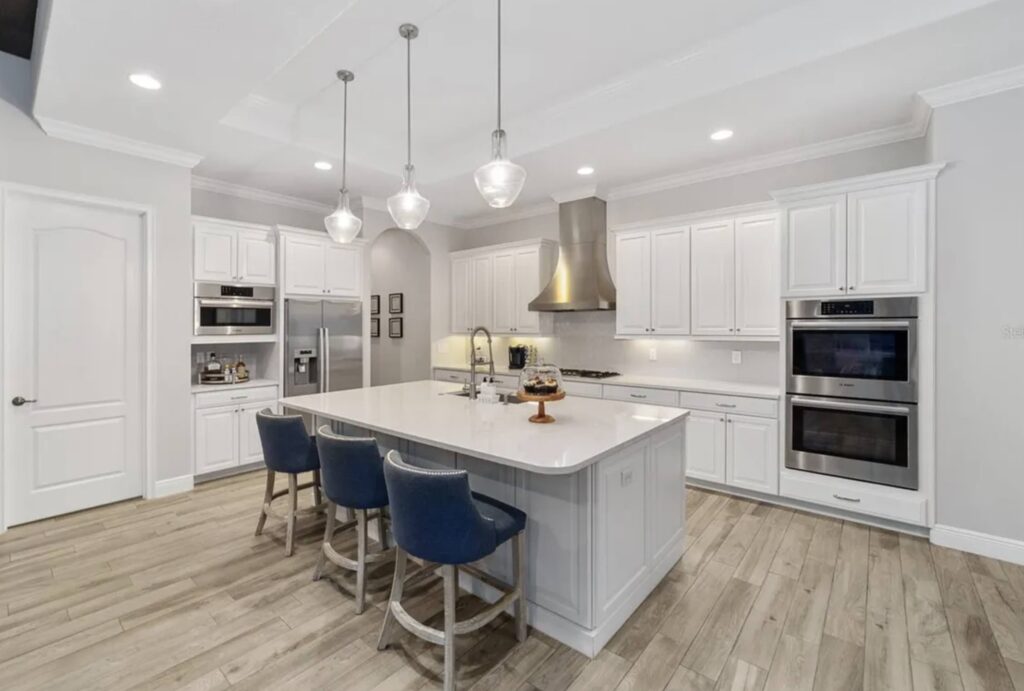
{"x": 177, "y": 593}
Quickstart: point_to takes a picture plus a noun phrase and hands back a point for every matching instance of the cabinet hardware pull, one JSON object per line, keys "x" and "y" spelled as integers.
{"x": 726, "y": 405}
{"x": 853, "y": 287}
{"x": 637, "y": 395}
{"x": 239, "y": 398}
{"x": 843, "y": 288}
{"x": 849, "y": 499}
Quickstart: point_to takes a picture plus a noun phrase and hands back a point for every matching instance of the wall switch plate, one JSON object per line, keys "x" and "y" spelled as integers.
{"x": 653, "y": 353}
{"x": 442, "y": 347}
{"x": 737, "y": 357}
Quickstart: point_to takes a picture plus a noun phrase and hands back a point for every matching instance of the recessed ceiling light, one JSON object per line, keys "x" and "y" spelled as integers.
{"x": 721, "y": 135}
{"x": 145, "y": 81}
{"x": 585, "y": 170}
{"x": 323, "y": 165}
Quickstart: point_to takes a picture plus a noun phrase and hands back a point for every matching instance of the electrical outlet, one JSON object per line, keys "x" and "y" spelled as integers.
{"x": 626, "y": 478}
{"x": 442, "y": 347}
{"x": 653, "y": 353}
{"x": 737, "y": 357}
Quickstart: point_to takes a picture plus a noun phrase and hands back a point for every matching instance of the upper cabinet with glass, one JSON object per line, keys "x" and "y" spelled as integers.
{"x": 861, "y": 236}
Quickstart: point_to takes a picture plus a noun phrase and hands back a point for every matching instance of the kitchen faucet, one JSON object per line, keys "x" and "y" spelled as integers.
{"x": 473, "y": 362}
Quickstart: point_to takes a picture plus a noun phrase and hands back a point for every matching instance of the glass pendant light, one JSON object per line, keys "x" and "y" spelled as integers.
{"x": 500, "y": 181}
{"x": 343, "y": 225}
{"x": 408, "y": 207}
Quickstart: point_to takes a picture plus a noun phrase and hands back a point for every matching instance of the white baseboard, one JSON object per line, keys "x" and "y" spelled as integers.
{"x": 986, "y": 545}
{"x": 174, "y": 485}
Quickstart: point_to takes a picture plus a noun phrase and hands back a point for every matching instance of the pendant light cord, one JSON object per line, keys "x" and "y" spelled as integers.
{"x": 408, "y": 100}
{"x": 499, "y": 65}
{"x": 344, "y": 139}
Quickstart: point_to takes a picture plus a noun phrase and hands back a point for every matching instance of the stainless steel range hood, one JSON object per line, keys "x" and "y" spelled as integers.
{"x": 582, "y": 280}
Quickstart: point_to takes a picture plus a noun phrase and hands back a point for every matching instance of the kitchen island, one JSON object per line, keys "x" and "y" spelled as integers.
{"x": 603, "y": 488}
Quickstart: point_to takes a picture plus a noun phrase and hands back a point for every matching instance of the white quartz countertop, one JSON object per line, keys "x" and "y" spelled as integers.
{"x": 585, "y": 429}
{"x": 251, "y": 384}
{"x": 713, "y": 386}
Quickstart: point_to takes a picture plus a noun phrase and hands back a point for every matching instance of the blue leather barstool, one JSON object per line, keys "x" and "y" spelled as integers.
{"x": 353, "y": 477}
{"x": 435, "y": 518}
{"x": 287, "y": 448}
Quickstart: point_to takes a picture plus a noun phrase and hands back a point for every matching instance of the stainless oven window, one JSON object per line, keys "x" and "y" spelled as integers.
{"x": 216, "y": 316}
{"x": 872, "y": 437}
{"x": 851, "y": 354}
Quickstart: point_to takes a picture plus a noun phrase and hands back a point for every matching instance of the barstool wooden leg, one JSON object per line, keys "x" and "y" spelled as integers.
{"x": 318, "y": 496}
{"x": 450, "y": 576}
{"x": 361, "y": 528}
{"x": 519, "y": 567}
{"x": 328, "y": 534}
{"x": 387, "y": 629}
{"x": 268, "y": 496}
{"x": 293, "y": 505}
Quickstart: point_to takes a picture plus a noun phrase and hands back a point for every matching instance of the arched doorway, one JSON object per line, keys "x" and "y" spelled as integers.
{"x": 400, "y": 263}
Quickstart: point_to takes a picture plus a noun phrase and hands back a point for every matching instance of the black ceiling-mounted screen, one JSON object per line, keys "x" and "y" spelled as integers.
{"x": 17, "y": 26}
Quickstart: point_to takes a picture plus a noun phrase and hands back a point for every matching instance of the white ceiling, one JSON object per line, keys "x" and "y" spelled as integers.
{"x": 632, "y": 89}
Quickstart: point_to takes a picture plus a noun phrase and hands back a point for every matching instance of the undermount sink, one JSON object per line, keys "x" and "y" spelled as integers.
{"x": 511, "y": 398}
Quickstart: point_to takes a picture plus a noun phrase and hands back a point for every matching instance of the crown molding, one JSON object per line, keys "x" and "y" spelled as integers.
{"x": 928, "y": 171}
{"x": 78, "y": 134}
{"x": 975, "y": 87}
{"x": 257, "y": 195}
{"x": 496, "y": 219}
{"x": 913, "y": 129}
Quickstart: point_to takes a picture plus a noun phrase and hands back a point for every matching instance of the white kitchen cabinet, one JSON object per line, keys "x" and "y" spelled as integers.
{"x": 229, "y": 252}
{"x": 814, "y": 247}
{"x": 633, "y": 283}
{"x": 225, "y": 432}
{"x": 318, "y": 266}
{"x": 216, "y": 439}
{"x": 752, "y": 453}
{"x": 652, "y": 278}
{"x": 758, "y": 308}
{"x": 666, "y": 504}
{"x": 493, "y": 287}
{"x": 705, "y": 446}
{"x": 713, "y": 275}
{"x": 462, "y": 295}
{"x": 621, "y": 488}
{"x": 866, "y": 235}
{"x": 887, "y": 237}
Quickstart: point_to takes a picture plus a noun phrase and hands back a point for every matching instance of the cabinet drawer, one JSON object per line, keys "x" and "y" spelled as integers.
{"x": 234, "y": 396}
{"x": 583, "y": 389}
{"x": 637, "y": 394}
{"x": 764, "y": 407}
{"x": 451, "y": 375}
{"x": 884, "y": 502}
{"x": 507, "y": 381}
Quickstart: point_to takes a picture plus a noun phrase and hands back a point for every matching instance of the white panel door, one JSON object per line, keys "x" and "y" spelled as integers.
{"x": 462, "y": 295}
{"x": 705, "y": 446}
{"x": 670, "y": 281}
{"x": 217, "y": 436}
{"x": 887, "y": 239}
{"x": 814, "y": 248}
{"x": 343, "y": 270}
{"x": 666, "y": 493}
{"x": 215, "y": 254}
{"x": 752, "y": 453}
{"x": 250, "y": 448}
{"x": 256, "y": 257}
{"x": 633, "y": 283}
{"x": 528, "y": 286}
{"x": 713, "y": 279}
{"x": 504, "y": 292}
{"x": 483, "y": 291}
{"x": 758, "y": 308}
{"x": 303, "y": 266}
{"x": 73, "y": 344}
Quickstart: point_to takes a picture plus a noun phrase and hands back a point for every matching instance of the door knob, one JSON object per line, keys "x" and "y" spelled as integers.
{"x": 21, "y": 400}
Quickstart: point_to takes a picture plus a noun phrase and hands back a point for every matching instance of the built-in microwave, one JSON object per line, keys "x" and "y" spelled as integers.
{"x": 871, "y": 441}
{"x": 864, "y": 349}
{"x": 233, "y": 310}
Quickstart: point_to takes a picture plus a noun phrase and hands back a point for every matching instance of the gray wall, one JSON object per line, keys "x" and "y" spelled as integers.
{"x": 399, "y": 263}
{"x": 588, "y": 339}
{"x": 980, "y": 300}
{"x": 28, "y": 156}
{"x": 216, "y": 205}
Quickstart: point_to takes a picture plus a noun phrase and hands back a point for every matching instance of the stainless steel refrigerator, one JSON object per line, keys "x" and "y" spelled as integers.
{"x": 323, "y": 347}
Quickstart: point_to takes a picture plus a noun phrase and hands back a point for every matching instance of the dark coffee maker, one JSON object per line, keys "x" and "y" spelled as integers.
{"x": 517, "y": 356}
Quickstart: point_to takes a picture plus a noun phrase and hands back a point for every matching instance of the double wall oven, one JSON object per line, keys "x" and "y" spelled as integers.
{"x": 852, "y": 389}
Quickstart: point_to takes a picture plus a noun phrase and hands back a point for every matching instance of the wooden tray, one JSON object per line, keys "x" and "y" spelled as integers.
{"x": 541, "y": 416}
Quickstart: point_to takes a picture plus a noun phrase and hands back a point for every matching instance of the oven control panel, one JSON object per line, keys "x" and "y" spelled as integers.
{"x": 846, "y": 308}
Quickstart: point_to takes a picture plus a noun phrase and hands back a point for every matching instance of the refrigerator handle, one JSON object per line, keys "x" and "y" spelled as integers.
{"x": 320, "y": 360}
{"x": 327, "y": 359}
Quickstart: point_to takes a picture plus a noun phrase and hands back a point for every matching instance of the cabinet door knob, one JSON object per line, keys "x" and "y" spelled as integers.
{"x": 852, "y": 287}
{"x": 843, "y": 288}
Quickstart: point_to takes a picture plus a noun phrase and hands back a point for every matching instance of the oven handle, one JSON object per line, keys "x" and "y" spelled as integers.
{"x": 849, "y": 324}
{"x": 232, "y": 302}
{"x": 843, "y": 405}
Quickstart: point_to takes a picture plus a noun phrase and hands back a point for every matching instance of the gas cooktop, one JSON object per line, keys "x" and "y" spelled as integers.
{"x": 587, "y": 373}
